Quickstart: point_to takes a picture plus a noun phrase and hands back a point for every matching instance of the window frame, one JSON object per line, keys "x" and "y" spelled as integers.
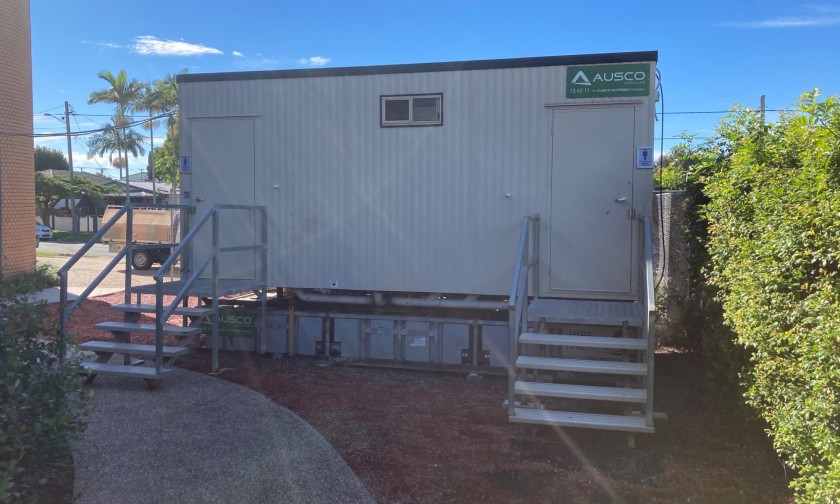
{"x": 410, "y": 122}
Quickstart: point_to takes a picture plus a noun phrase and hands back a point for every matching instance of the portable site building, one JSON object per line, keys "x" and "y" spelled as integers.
{"x": 519, "y": 187}
{"x": 414, "y": 178}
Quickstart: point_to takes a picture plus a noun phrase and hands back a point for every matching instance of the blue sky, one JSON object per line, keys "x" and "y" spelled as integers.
{"x": 711, "y": 54}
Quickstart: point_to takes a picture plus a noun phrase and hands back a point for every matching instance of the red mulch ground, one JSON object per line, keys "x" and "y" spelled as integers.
{"x": 430, "y": 437}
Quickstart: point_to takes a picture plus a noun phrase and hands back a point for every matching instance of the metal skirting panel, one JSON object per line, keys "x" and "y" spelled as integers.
{"x": 418, "y": 340}
{"x": 348, "y": 333}
{"x": 309, "y": 331}
{"x": 456, "y": 344}
{"x": 381, "y": 339}
{"x": 276, "y": 339}
{"x": 494, "y": 344}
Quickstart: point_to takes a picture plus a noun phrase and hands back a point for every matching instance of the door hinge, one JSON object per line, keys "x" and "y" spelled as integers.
{"x": 631, "y": 213}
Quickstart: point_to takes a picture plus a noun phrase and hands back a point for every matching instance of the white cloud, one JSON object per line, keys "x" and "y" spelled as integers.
{"x": 103, "y": 45}
{"x": 827, "y": 15}
{"x": 314, "y": 61}
{"x": 239, "y": 54}
{"x": 150, "y": 45}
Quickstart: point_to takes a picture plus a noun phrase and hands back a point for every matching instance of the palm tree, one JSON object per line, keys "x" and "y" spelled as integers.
{"x": 125, "y": 95}
{"x": 122, "y": 92}
{"x": 120, "y": 140}
{"x": 150, "y": 102}
{"x": 167, "y": 90}
{"x": 162, "y": 98}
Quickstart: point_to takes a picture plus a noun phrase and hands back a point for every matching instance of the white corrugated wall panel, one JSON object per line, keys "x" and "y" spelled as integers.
{"x": 421, "y": 209}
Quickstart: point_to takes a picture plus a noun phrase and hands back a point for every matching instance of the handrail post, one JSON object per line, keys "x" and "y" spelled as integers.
{"x": 129, "y": 234}
{"x": 158, "y": 324}
{"x": 535, "y": 221}
{"x": 512, "y": 355}
{"x": 264, "y": 279}
{"x": 518, "y": 301}
{"x": 62, "y": 316}
{"x": 650, "y": 316}
{"x": 215, "y": 280}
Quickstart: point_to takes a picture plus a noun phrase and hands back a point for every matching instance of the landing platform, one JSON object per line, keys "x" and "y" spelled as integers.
{"x": 202, "y": 287}
{"x": 586, "y": 312}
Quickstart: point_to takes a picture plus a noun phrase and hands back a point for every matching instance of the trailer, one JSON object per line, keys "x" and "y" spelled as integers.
{"x": 493, "y": 215}
{"x": 414, "y": 178}
{"x": 150, "y": 226}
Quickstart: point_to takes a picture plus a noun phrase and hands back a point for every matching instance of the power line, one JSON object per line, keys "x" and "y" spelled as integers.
{"x": 686, "y": 112}
{"x": 49, "y": 109}
{"x": 84, "y": 146}
{"x": 82, "y": 133}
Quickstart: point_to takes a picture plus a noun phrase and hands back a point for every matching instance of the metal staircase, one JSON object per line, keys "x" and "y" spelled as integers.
{"x": 571, "y": 380}
{"x": 153, "y": 362}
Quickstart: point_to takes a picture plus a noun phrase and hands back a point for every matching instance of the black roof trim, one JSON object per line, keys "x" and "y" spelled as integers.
{"x": 583, "y": 59}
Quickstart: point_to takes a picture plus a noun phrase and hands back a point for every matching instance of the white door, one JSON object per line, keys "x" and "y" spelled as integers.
{"x": 591, "y": 241}
{"x": 222, "y": 153}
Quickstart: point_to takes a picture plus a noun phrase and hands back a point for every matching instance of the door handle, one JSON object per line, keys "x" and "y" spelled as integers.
{"x": 199, "y": 199}
{"x": 621, "y": 199}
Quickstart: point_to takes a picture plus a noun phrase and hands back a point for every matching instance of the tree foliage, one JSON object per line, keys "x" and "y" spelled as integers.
{"x": 773, "y": 206}
{"x": 50, "y": 189}
{"x": 50, "y": 159}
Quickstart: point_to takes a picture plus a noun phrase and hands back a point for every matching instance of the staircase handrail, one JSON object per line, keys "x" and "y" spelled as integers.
{"x": 161, "y": 313}
{"x": 650, "y": 300}
{"x": 649, "y": 321}
{"x": 64, "y": 311}
{"x": 518, "y": 300}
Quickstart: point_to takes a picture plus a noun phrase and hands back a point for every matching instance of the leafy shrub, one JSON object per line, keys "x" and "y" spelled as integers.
{"x": 773, "y": 214}
{"x": 41, "y": 398}
{"x": 669, "y": 177}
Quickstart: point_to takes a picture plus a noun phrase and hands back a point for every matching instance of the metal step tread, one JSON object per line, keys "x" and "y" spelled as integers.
{"x": 122, "y": 370}
{"x": 146, "y": 328}
{"x": 583, "y": 420}
{"x": 181, "y": 310}
{"x": 131, "y": 348}
{"x": 583, "y": 341}
{"x": 581, "y": 392}
{"x": 582, "y": 365}
{"x": 586, "y": 312}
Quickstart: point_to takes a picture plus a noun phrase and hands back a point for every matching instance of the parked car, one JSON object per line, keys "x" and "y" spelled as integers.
{"x": 43, "y": 232}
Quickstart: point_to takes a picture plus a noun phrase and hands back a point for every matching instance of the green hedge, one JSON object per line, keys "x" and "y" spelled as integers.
{"x": 41, "y": 399}
{"x": 773, "y": 216}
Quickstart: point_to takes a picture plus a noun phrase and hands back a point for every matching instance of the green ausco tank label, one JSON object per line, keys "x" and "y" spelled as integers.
{"x": 608, "y": 81}
{"x": 234, "y": 321}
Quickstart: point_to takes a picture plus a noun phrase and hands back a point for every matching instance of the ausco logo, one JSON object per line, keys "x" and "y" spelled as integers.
{"x": 606, "y": 81}
{"x": 234, "y": 319}
{"x": 581, "y": 79}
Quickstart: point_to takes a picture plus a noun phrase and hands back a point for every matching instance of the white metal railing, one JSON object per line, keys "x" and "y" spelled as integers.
{"x": 212, "y": 215}
{"x": 649, "y": 320}
{"x": 179, "y": 249}
{"x": 65, "y": 310}
{"x": 527, "y": 257}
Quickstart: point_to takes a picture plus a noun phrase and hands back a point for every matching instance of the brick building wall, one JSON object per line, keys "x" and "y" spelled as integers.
{"x": 17, "y": 165}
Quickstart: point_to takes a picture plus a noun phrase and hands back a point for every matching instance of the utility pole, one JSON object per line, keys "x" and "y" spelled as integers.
{"x": 761, "y": 108}
{"x": 74, "y": 221}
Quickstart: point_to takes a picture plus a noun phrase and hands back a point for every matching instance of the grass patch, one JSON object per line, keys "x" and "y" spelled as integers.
{"x": 68, "y": 237}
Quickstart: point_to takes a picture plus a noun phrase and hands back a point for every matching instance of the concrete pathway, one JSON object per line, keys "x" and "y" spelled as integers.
{"x": 200, "y": 439}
